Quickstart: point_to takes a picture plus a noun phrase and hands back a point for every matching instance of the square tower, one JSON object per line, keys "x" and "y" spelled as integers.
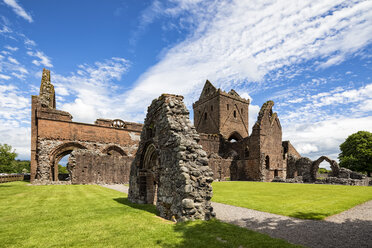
{"x": 219, "y": 112}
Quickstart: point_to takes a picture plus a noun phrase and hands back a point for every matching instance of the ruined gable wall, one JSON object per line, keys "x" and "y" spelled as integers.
{"x": 266, "y": 141}
{"x": 170, "y": 168}
{"x": 289, "y": 149}
{"x": 271, "y": 145}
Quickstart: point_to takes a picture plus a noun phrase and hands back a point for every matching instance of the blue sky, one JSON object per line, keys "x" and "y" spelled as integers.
{"x": 109, "y": 59}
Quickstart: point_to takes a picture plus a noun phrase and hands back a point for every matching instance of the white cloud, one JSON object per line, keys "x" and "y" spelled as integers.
{"x": 13, "y": 49}
{"x": 44, "y": 60}
{"x": 13, "y": 60}
{"x": 18, "y": 10}
{"x": 95, "y": 90}
{"x": 245, "y": 40}
{"x": 29, "y": 42}
{"x": 324, "y": 137}
{"x": 14, "y": 115}
{"x": 5, "y": 77}
{"x": 253, "y": 113}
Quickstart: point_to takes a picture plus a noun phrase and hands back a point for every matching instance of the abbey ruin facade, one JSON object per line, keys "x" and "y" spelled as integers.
{"x": 104, "y": 152}
{"x": 99, "y": 153}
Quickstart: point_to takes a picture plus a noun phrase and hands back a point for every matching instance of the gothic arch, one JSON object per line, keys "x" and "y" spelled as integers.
{"x": 235, "y": 136}
{"x": 58, "y": 153}
{"x": 151, "y": 174}
{"x": 108, "y": 150}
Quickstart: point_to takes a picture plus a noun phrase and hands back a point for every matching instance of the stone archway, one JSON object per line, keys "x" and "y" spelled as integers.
{"x": 315, "y": 166}
{"x": 170, "y": 168}
{"x": 235, "y": 136}
{"x": 58, "y": 153}
{"x": 151, "y": 164}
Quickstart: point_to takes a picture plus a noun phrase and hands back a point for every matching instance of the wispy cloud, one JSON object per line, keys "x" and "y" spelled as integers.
{"x": 13, "y": 60}
{"x": 13, "y": 49}
{"x": 94, "y": 89}
{"x": 245, "y": 40}
{"x": 43, "y": 59}
{"x": 18, "y": 10}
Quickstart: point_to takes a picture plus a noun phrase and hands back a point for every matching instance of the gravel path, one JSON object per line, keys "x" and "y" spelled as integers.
{"x": 352, "y": 228}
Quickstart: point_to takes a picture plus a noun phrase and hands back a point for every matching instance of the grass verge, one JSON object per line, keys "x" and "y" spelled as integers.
{"x": 304, "y": 201}
{"x": 93, "y": 216}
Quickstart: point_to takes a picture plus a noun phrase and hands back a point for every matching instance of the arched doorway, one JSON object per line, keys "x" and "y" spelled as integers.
{"x": 58, "y": 154}
{"x": 315, "y": 167}
{"x": 151, "y": 180}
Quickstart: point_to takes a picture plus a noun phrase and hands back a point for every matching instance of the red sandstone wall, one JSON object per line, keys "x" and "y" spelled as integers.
{"x": 229, "y": 123}
{"x": 60, "y": 130}
{"x": 93, "y": 168}
{"x": 210, "y": 143}
{"x": 291, "y": 150}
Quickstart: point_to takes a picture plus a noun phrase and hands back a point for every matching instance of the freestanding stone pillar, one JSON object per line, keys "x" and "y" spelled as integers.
{"x": 170, "y": 169}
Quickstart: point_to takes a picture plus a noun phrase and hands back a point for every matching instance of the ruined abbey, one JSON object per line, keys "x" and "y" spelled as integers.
{"x": 218, "y": 146}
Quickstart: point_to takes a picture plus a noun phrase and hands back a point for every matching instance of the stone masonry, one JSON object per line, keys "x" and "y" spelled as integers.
{"x": 305, "y": 170}
{"x": 102, "y": 151}
{"x": 221, "y": 118}
{"x": 171, "y": 169}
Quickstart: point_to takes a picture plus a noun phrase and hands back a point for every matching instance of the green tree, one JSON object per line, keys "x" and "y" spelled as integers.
{"x": 62, "y": 169}
{"x": 7, "y": 156}
{"x": 356, "y": 152}
{"x": 21, "y": 166}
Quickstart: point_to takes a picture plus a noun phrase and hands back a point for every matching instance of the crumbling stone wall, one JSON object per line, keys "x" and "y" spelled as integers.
{"x": 171, "y": 169}
{"x": 305, "y": 170}
{"x": 222, "y": 120}
{"x": 88, "y": 167}
{"x": 54, "y": 135}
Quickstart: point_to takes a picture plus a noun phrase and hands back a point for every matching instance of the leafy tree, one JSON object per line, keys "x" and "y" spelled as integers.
{"x": 62, "y": 169}
{"x": 21, "y": 166}
{"x": 356, "y": 152}
{"x": 322, "y": 171}
{"x": 7, "y": 156}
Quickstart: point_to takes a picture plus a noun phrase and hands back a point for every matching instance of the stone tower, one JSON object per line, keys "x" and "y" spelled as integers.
{"x": 219, "y": 112}
{"x": 47, "y": 96}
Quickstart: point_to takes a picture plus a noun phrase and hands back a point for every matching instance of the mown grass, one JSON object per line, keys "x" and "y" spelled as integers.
{"x": 93, "y": 216}
{"x": 304, "y": 201}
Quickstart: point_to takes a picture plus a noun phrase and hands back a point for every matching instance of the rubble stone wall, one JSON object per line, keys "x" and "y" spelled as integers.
{"x": 102, "y": 158}
{"x": 170, "y": 168}
{"x": 90, "y": 167}
{"x": 305, "y": 170}
{"x": 54, "y": 135}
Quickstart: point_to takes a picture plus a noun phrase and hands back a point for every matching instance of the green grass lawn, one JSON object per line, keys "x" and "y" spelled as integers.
{"x": 93, "y": 216}
{"x": 305, "y": 201}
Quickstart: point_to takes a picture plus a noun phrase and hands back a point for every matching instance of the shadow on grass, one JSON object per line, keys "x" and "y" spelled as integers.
{"x": 312, "y": 233}
{"x": 145, "y": 207}
{"x": 213, "y": 233}
{"x": 309, "y": 215}
{"x": 5, "y": 186}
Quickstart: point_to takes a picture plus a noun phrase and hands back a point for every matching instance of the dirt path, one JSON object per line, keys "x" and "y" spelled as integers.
{"x": 352, "y": 228}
